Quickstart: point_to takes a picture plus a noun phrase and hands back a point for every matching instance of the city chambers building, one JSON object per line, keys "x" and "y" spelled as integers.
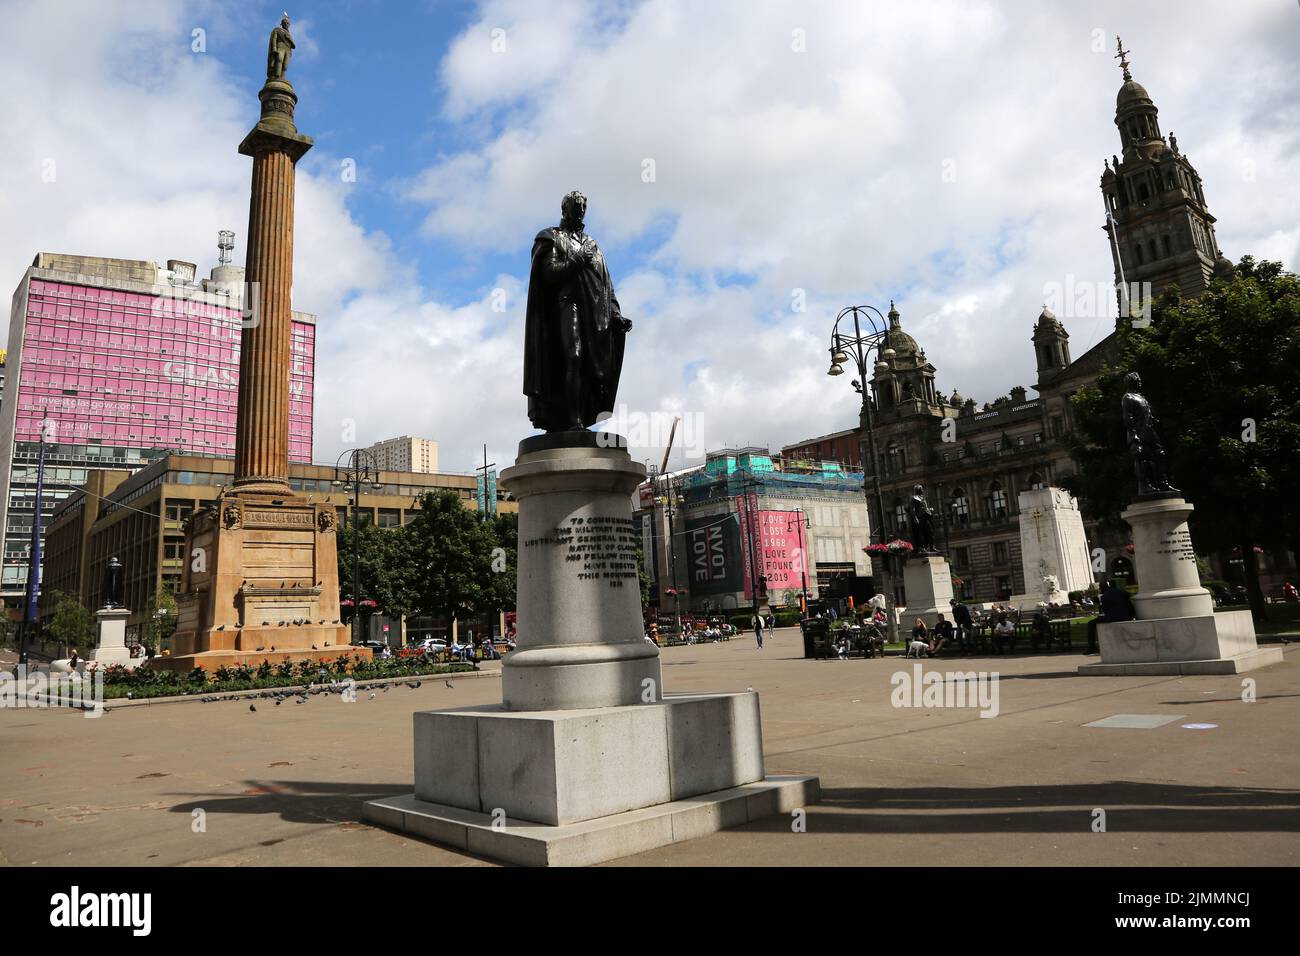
{"x": 975, "y": 460}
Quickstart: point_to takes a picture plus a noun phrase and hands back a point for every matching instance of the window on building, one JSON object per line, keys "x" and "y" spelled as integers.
{"x": 1036, "y": 481}
{"x": 895, "y": 459}
{"x": 390, "y": 517}
{"x": 999, "y": 553}
{"x": 997, "y": 501}
{"x": 960, "y": 509}
{"x": 1003, "y": 587}
{"x": 179, "y": 510}
{"x": 961, "y": 557}
{"x": 900, "y": 516}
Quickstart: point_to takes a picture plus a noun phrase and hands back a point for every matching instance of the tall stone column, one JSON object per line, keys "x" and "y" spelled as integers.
{"x": 262, "y": 427}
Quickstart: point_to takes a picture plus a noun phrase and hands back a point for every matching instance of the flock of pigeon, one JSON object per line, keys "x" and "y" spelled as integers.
{"x": 304, "y": 695}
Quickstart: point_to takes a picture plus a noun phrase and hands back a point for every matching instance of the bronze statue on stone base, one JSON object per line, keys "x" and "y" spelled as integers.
{"x": 1144, "y": 443}
{"x": 574, "y": 332}
{"x": 921, "y": 520}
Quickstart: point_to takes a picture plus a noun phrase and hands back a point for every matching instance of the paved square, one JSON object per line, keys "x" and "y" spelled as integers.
{"x": 901, "y": 786}
{"x": 1136, "y": 721}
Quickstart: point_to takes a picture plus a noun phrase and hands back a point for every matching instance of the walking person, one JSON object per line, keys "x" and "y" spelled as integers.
{"x": 759, "y": 626}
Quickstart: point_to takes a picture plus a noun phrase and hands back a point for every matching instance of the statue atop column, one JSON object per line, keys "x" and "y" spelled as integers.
{"x": 574, "y": 332}
{"x": 921, "y": 520}
{"x": 278, "y": 50}
{"x": 1143, "y": 441}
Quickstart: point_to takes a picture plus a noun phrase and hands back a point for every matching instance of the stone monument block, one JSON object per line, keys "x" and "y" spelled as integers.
{"x": 927, "y": 583}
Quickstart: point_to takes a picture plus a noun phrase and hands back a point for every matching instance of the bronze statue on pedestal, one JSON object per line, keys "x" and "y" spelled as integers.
{"x": 574, "y": 332}
{"x": 1143, "y": 441}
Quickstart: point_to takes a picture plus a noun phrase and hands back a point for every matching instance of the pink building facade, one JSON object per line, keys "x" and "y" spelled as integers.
{"x": 119, "y": 361}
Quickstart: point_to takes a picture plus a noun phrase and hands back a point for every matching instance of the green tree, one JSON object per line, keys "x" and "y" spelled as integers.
{"x": 387, "y": 566}
{"x": 452, "y": 551}
{"x": 71, "y": 625}
{"x": 505, "y": 561}
{"x": 1220, "y": 373}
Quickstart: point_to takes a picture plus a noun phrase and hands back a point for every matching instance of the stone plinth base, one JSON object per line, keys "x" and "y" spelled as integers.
{"x": 260, "y": 584}
{"x": 111, "y": 646}
{"x": 928, "y": 583}
{"x": 581, "y": 631}
{"x": 1221, "y": 643}
{"x": 560, "y": 767}
{"x": 599, "y": 839}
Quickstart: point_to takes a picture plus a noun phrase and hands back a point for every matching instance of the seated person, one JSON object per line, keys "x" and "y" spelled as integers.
{"x": 940, "y": 634}
{"x": 1040, "y": 629}
{"x": 1004, "y": 635}
{"x": 920, "y": 643}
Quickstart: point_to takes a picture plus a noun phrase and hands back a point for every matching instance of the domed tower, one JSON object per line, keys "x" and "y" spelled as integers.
{"x": 1160, "y": 229}
{"x": 1051, "y": 345}
{"x": 907, "y": 377}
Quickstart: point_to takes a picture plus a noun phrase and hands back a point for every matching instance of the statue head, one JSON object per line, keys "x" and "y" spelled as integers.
{"x": 1133, "y": 382}
{"x": 573, "y": 207}
{"x": 284, "y": 21}
{"x": 918, "y": 490}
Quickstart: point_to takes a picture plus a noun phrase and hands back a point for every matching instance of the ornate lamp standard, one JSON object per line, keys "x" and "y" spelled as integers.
{"x": 361, "y": 469}
{"x": 856, "y": 345}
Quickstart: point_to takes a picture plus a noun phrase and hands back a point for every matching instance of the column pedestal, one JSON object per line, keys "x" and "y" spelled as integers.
{"x": 1177, "y": 630}
{"x": 110, "y": 646}
{"x": 585, "y": 759}
{"x": 927, "y": 582}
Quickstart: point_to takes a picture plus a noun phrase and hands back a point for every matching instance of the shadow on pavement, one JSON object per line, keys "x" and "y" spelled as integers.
{"x": 1068, "y": 808}
{"x": 296, "y": 801}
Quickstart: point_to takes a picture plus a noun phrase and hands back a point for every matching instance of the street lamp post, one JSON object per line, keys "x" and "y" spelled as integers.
{"x": 857, "y": 346}
{"x": 803, "y": 521}
{"x": 34, "y": 562}
{"x": 360, "y": 469}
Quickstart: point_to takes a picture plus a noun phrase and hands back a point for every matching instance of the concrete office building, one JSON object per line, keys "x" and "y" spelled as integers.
{"x": 418, "y": 455}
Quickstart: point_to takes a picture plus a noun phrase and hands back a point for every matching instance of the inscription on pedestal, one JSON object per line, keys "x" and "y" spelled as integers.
{"x": 1178, "y": 543}
{"x": 279, "y": 519}
{"x": 598, "y": 548}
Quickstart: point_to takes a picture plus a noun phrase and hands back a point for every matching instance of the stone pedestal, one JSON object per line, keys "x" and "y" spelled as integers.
{"x": 927, "y": 582}
{"x": 1177, "y": 630}
{"x": 1053, "y": 548}
{"x": 110, "y": 644}
{"x": 260, "y": 584}
{"x": 585, "y": 759}
{"x": 581, "y": 636}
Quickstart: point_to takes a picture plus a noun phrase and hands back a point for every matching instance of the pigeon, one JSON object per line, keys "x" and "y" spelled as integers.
{"x": 279, "y": 702}
{"x": 749, "y": 690}
{"x": 372, "y": 697}
{"x": 301, "y": 700}
{"x": 253, "y": 708}
{"x": 450, "y": 684}
{"x": 315, "y": 648}
{"x": 261, "y": 649}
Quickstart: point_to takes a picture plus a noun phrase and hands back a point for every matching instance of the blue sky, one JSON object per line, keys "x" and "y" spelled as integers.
{"x": 804, "y": 156}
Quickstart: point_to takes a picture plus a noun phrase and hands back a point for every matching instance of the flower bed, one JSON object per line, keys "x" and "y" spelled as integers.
{"x": 143, "y": 682}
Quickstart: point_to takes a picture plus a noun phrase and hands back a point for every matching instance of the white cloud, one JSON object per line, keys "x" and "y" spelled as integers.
{"x": 944, "y": 154}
